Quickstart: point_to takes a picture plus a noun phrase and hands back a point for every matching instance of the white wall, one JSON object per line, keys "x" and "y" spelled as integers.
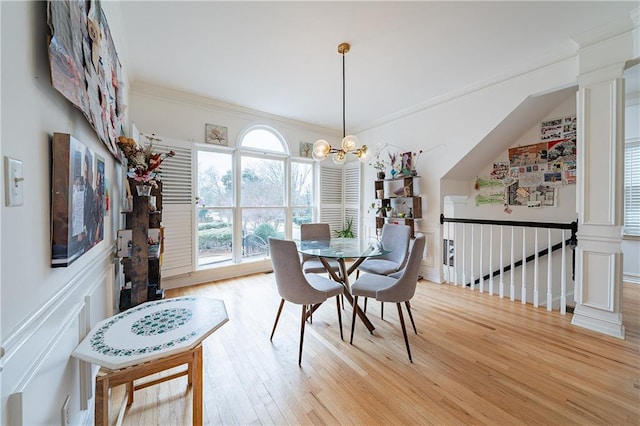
{"x": 43, "y": 310}
{"x": 449, "y": 130}
{"x": 565, "y": 209}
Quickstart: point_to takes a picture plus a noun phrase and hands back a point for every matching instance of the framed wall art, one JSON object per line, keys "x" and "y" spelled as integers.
{"x": 77, "y": 199}
{"x": 306, "y": 149}
{"x": 217, "y": 135}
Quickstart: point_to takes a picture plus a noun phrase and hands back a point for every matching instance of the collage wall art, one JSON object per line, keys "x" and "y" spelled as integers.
{"x": 534, "y": 172}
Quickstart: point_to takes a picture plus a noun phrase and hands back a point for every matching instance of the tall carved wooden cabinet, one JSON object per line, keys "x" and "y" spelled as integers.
{"x": 139, "y": 245}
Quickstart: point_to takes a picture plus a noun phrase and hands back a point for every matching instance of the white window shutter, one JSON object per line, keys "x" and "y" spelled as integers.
{"x": 177, "y": 209}
{"x": 352, "y": 195}
{"x": 340, "y": 196}
{"x": 632, "y": 188}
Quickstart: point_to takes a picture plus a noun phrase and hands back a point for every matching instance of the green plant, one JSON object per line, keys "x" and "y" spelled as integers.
{"x": 346, "y": 231}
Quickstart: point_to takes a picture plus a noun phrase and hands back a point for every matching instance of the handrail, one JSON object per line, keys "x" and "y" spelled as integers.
{"x": 572, "y": 241}
{"x": 573, "y": 226}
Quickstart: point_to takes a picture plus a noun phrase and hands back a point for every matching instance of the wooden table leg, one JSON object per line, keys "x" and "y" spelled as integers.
{"x": 101, "y": 411}
{"x": 345, "y": 282}
{"x": 196, "y": 389}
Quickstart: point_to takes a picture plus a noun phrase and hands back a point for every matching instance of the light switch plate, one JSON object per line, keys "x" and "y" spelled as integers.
{"x": 13, "y": 182}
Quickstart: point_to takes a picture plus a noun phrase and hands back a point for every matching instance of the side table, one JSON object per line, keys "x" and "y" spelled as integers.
{"x": 150, "y": 338}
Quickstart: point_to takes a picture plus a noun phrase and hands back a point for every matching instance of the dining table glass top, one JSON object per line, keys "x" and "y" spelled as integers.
{"x": 342, "y": 248}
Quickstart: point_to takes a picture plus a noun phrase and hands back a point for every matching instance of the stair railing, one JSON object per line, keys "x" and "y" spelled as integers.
{"x": 460, "y": 260}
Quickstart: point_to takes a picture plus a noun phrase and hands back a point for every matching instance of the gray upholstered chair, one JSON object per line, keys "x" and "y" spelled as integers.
{"x": 296, "y": 287}
{"x": 397, "y": 288}
{"x": 316, "y": 231}
{"x": 395, "y": 238}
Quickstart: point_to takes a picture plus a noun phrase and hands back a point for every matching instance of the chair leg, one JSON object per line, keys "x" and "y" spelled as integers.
{"x": 408, "y": 305}
{"x": 353, "y": 319}
{"x": 277, "y": 318}
{"x": 339, "y": 316}
{"x": 381, "y": 310}
{"x": 302, "y": 322}
{"x": 404, "y": 331}
{"x": 310, "y": 315}
{"x": 365, "y": 305}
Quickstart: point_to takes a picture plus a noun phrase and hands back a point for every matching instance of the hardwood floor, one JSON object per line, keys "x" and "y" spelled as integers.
{"x": 478, "y": 359}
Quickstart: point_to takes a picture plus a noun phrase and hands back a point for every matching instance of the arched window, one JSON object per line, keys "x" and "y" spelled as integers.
{"x": 263, "y": 138}
{"x": 249, "y": 194}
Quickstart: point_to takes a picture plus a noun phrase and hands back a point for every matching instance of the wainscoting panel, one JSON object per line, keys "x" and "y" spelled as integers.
{"x": 38, "y": 372}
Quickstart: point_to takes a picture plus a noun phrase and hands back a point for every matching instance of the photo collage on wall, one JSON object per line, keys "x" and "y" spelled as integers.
{"x": 533, "y": 172}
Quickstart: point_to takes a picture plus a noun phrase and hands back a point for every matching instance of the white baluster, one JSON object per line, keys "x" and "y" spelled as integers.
{"x": 463, "y": 251}
{"x": 549, "y": 272}
{"x": 563, "y": 279}
{"x": 455, "y": 258}
{"x": 535, "y": 269}
{"x": 512, "y": 286}
{"x": 473, "y": 278}
{"x": 481, "y": 277}
{"x": 491, "y": 260}
{"x": 523, "y": 287}
{"x": 501, "y": 264}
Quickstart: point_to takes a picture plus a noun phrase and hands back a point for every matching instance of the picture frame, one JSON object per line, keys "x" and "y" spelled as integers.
{"x": 406, "y": 161}
{"x": 77, "y": 199}
{"x": 306, "y": 149}
{"x": 217, "y": 135}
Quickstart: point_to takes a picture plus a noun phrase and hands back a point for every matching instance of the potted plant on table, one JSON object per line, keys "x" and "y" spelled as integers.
{"x": 346, "y": 231}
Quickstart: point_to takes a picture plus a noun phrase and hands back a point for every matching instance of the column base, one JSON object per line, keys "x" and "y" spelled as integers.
{"x": 608, "y": 323}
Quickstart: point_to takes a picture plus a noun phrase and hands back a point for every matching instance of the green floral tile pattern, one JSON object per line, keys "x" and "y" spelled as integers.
{"x": 161, "y": 321}
{"x": 179, "y": 317}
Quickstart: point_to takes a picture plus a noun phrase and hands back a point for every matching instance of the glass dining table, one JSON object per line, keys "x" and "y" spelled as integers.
{"x": 341, "y": 250}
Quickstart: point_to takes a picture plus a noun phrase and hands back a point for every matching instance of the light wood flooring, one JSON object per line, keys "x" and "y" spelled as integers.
{"x": 478, "y": 359}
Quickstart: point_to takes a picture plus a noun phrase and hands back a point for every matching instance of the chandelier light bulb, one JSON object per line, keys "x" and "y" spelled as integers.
{"x": 339, "y": 157}
{"x": 363, "y": 154}
{"x": 318, "y": 157}
{"x": 350, "y": 143}
{"x": 321, "y": 148}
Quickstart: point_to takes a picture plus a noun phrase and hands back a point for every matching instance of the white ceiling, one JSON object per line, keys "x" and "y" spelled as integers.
{"x": 281, "y": 57}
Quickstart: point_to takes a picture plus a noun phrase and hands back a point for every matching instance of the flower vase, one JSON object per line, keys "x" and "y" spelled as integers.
{"x": 143, "y": 190}
{"x": 381, "y": 175}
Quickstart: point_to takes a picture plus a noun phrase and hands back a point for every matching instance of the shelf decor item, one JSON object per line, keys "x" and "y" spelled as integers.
{"x": 143, "y": 190}
{"x": 142, "y": 162}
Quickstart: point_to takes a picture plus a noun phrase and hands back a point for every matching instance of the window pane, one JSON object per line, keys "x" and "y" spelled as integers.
{"x": 301, "y": 184}
{"x": 300, "y": 215}
{"x": 215, "y": 179}
{"x": 263, "y": 140}
{"x": 262, "y": 182}
{"x": 215, "y": 233}
{"x": 257, "y": 226}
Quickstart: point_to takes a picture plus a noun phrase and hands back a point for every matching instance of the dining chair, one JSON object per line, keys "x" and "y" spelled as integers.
{"x": 316, "y": 231}
{"x": 296, "y": 287}
{"x": 395, "y": 238}
{"x": 396, "y": 288}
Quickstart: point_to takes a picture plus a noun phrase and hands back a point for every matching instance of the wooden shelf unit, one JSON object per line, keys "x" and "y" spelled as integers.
{"x": 407, "y": 200}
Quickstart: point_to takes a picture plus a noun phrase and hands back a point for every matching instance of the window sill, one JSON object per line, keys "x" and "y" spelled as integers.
{"x": 630, "y": 237}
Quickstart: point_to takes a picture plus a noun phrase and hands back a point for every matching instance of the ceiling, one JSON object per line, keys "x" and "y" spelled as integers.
{"x": 281, "y": 57}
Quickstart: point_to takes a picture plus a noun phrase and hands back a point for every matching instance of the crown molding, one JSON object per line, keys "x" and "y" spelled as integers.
{"x": 191, "y": 99}
{"x": 611, "y": 29}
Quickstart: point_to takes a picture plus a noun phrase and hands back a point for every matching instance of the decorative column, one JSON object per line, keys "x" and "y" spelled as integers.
{"x": 599, "y": 191}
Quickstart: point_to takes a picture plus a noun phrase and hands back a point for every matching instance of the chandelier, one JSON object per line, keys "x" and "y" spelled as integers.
{"x": 322, "y": 148}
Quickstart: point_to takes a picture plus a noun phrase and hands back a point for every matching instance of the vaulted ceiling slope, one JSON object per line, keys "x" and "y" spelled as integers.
{"x": 281, "y": 57}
